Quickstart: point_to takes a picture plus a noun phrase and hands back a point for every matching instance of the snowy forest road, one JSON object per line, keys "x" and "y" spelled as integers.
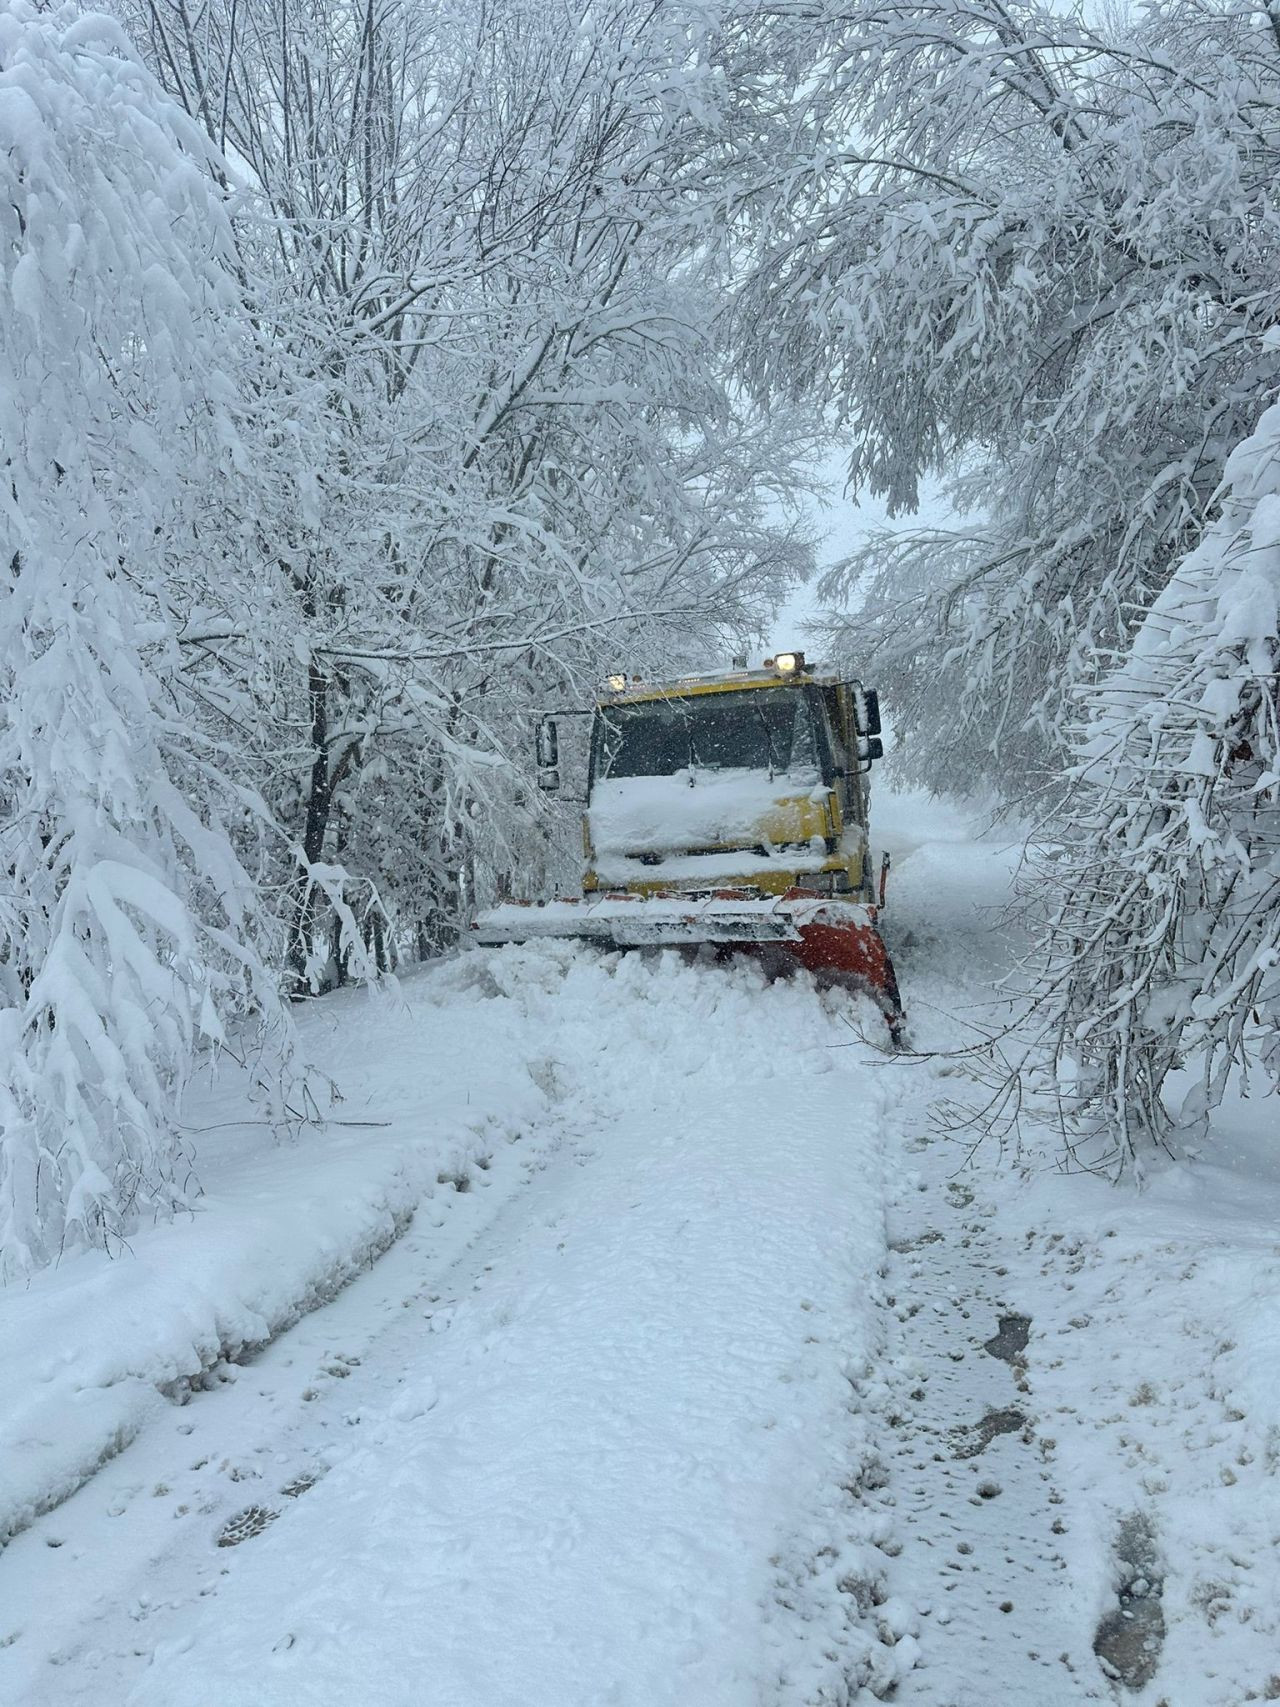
{"x": 697, "y": 1378}
{"x": 595, "y": 1438}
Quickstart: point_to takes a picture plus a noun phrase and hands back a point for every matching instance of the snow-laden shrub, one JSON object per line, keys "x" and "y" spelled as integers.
{"x": 1165, "y": 947}
{"x": 126, "y": 920}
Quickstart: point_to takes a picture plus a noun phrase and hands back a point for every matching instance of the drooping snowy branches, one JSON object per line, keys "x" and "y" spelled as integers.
{"x": 510, "y": 450}
{"x": 128, "y": 926}
{"x": 365, "y": 390}
{"x": 1164, "y": 905}
{"x": 1039, "y": 255}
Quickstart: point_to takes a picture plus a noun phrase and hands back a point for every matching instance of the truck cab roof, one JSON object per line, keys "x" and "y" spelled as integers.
{"x": 718, "y": 681}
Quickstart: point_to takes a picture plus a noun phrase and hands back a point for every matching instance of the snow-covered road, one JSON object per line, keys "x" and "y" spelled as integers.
{"x": 642, "y": 1340}
{"x": 595, "y": 1438}
{"x": 599, "y": 1475}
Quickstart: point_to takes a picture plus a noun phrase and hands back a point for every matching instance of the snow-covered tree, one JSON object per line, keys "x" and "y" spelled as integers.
{"x": 1036, "y": 251}
{"x": 362, "y": 393}
{"x": 1034, "y": 254}
{"x": 129, "y": 930}
{"x": 1165, "y": 913}
{"x": 508, "y": 444}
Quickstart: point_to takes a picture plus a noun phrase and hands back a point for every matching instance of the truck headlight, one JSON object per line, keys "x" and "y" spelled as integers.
{"x": 788, "y": 663}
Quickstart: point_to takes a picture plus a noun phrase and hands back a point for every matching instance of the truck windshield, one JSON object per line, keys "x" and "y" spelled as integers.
{"x": 763, "y": 729}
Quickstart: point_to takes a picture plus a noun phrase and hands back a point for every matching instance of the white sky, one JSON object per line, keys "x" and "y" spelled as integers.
{"x": 844, "y": 522}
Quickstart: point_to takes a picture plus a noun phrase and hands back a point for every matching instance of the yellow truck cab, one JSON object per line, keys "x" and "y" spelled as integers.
{"x": 746, "y": 779}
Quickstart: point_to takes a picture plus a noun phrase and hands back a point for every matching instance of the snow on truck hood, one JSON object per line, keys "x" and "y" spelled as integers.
{"x": 694, "y": 808}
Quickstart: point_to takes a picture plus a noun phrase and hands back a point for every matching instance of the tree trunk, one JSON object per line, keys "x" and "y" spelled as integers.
{"x": 315, "y": 827}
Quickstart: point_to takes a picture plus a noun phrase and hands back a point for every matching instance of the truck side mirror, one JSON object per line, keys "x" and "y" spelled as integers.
{"x": 547, "y": 753}
{"x": 870, "y": 747}
{"x": 867, "y": 705}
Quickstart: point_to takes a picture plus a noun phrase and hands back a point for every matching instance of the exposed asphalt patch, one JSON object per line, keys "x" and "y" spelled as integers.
{"x": 1128, "y": 1639}
{"x": 974, "y": 1438}
{"x": 1010, "y": 1340}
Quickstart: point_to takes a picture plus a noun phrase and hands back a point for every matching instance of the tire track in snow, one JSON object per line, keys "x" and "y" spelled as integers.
{"x": 135, "y": 1550}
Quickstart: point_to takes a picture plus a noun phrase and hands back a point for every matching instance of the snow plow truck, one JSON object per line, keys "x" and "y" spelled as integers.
{"x": 729, "y": 811}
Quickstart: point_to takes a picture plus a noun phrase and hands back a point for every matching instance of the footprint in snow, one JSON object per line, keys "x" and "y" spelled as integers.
{"x": 1129, "y": 1639}
{"x": 245, "y": 1525}
{"x": 299, "y": 1484}
{"x": 974, "y": 1438}
{"x": 1010, "y": 1340}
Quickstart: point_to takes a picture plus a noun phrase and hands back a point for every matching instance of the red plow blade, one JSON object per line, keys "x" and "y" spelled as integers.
{"x": 853, "y": 954}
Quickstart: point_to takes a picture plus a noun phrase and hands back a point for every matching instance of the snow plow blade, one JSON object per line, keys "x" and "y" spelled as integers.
{"x": 839, "y": 941}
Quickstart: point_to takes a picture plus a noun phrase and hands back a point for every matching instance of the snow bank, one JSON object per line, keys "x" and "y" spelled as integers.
{"x": 91, "y": 1357}
{"x": 93, "y": 1349}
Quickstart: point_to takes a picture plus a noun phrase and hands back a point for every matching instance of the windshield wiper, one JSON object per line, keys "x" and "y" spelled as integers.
{"x": 768, "y": 735}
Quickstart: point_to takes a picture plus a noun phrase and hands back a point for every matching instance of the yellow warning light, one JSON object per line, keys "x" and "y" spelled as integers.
{"x": 789, "y": 663}
{"x": 616, "y": 684}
